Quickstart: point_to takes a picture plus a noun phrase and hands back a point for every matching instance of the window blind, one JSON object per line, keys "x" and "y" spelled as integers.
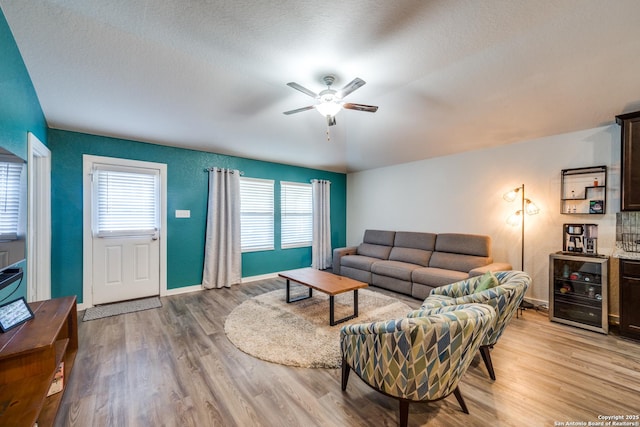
{"x": 296, "y": 210}
{"x": 9, "y": 199}
{"x": 256, "y": 214}
{"x": 126, "y": 201}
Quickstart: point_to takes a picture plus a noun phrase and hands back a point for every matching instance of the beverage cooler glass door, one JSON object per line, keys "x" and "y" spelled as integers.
{"x": 578, "y": 291}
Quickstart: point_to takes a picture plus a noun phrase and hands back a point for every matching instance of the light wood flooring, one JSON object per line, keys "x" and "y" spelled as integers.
{"x": 174, "y": 366}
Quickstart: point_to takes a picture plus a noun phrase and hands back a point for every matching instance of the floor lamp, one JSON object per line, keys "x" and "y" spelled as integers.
{"x": 528, "y": 208}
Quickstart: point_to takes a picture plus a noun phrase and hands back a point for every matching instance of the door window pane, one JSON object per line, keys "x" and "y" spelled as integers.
{"x": 125, "y": 201}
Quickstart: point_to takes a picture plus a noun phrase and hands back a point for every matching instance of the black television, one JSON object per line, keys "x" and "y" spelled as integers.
{"x": 13, "y": 216}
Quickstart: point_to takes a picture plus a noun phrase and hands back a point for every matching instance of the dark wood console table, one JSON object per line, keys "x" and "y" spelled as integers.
{"x": 29, "y": 357}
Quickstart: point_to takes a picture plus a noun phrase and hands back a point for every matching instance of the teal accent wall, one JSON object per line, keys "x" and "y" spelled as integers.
{"x": 187, "y": 188}
{"x": 20, "y": 113}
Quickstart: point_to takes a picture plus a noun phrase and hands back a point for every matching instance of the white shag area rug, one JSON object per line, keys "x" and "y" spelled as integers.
{"x": 298, "y": 334}
{"x": 108, "y": 310}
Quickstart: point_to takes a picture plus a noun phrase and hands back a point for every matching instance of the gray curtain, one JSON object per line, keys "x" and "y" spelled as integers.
{"x": 321, "y": 245}
{"x": 222, "y": 255}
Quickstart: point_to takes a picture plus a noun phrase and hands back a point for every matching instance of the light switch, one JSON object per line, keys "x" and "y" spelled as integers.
{"x": 183, "y": 213}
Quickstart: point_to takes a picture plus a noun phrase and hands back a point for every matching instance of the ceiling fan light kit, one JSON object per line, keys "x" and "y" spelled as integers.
{"x": 330, "y": 101}
{"x": 329, "y": 108}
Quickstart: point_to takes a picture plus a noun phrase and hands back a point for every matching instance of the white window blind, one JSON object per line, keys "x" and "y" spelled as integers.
{"x": 256, "y": 214}
{"x": 10, "y": 199}
{"x": 296, "y": 210}
{"x": 126, "y": 201}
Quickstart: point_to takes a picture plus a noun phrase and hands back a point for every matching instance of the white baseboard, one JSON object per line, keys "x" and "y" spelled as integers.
{"x": 260, "y": 277}
{"x": 183, "y": 290}
{"x": 196, "y": 288}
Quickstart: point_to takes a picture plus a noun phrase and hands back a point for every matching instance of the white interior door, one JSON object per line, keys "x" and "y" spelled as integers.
{"x": 125, "y": 223}
{"x": 125, "y": 268}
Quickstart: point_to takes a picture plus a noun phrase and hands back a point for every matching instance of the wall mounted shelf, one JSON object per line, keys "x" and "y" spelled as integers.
{"x": 583, "y": 191}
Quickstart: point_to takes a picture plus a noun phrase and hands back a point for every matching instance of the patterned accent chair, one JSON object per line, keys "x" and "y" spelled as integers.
{"x": 416, "y": 359}
{"x": 505, "y": 298}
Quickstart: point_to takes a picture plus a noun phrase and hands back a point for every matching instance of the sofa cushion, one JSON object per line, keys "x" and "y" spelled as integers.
{"x": 395, "y": 269}
{"x": 411, "y": 256}
{"x": 458, "y": 262}
{"x": 373, "y": 251}
{"x": 410, "y": 239}
{"x": 379, "y": 237}
{"x": 414, "y": 248}
{"x": 436, "y": 276}
{"x": 467, "y": 244}
{"x": 358, "y": 261}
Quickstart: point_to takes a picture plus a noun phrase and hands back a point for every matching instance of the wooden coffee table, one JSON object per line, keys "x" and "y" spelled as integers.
{"x": 328, "y": 283}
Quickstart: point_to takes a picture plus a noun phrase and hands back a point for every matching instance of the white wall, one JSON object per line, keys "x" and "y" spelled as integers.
{"x": 463, "y": 193}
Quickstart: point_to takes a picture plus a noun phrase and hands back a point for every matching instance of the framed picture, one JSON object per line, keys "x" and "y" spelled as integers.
{"x": 595, "y": 206}
{"x": 14, "y": 313}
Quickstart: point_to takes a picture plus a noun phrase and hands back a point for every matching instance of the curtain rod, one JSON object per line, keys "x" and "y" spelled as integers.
{"x": 219, "y": 170}
{"x": 320, "y": 180}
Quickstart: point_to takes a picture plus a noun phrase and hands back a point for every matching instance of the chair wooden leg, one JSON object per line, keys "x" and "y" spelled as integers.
{"x": 345, "y": 374}
{"x": 404, "y": 413}
{"x": 486, "y": 356}
{"x": 458, "y": 396}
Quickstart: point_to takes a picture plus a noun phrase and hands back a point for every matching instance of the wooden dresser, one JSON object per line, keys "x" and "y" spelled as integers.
{"x": 30, "y": 354}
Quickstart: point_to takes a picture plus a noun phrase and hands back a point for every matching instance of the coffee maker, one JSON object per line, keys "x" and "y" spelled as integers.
{"x": 580, "y": 239}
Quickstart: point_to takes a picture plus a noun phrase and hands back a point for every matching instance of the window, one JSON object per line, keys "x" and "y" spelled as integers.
{"x": 296, "y": 214}
{"x": 10, "y": 192}
{"x": 125, "y": 201}
{"x": 256, "y": 214}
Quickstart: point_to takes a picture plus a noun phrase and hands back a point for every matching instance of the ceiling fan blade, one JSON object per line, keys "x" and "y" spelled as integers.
{"x": 350, "y": 87}
{"x": 331, "y": 120}
{"x": 299, "y": 110}
{"x": 302, "y": 89}
{"x": 360, "y": 107}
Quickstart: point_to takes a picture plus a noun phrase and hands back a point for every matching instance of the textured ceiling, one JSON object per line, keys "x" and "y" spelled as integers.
{"x": 448, "y": 76}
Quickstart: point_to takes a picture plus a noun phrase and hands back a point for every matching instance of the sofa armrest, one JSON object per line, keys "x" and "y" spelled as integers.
{"x": 496, "y": 266}
{"x": 338, "y": 253}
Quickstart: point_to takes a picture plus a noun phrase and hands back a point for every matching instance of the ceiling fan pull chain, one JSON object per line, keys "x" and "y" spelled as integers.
{"x": 328, "y": 135}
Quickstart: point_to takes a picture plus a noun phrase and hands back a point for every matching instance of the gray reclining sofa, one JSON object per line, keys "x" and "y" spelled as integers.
{"x": 413, "y": 263}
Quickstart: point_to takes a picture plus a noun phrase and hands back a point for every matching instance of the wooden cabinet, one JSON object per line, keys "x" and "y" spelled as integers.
{"x": 30, "y": 354}
{"x": 578, "y": 291}
{"x": 630, "y": 183}
{"x": 629, "y": 298}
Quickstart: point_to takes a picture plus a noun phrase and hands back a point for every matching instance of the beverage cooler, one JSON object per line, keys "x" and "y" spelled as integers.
{"x": 578, "y": 287}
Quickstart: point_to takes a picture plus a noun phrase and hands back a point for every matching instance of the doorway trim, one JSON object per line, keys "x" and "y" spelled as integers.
{"x": 39, "y": 220}
{"x": 87, "y": 251}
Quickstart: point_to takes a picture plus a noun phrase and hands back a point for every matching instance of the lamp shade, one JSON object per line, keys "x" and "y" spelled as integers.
{"x": 530, "y": 207}
{"x": 510, "y": 196}
{"x": 330, "y": 108}
{"x": 515, "y": 219}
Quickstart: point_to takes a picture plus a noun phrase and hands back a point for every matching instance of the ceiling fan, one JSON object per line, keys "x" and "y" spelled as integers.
{"x": 330, "y": 101}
